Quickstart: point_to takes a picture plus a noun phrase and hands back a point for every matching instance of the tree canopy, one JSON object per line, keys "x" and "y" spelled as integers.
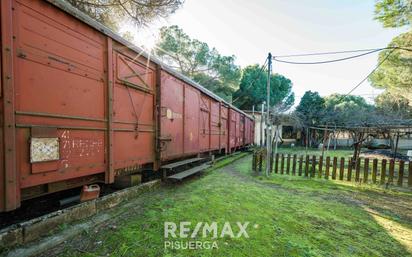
{"x": 394, "y": 13}
{"x": 253, "y": 87}
{"x": 198, "y": 61}
{"x": 336, "y": 109}
{"x": 395, "y": 74}
{"x": 138, "y": 12}
{"x": 348, "y": 110}
{"x": 393, "y": 105}
{"x": 311, "y": 108}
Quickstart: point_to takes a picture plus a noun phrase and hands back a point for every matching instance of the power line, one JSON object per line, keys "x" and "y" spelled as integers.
{"x": 253, "y": 81}
{"x": 342, "y": 52}
{"x": 331, "y": 61}
{"x": 369, "y": 51}
{"x": 370, "y": 73}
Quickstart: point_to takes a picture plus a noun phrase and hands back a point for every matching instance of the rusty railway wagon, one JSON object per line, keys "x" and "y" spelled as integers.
{"x": 81, "y": 105}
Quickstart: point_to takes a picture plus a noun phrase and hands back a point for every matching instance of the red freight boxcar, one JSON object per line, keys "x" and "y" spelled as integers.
{"x": 80, "y": 105}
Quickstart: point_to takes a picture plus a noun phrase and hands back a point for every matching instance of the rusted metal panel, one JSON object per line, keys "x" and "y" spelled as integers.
{"x": 11, "y": 190}
{"x": 233, "y": 128}
{"x": 95, "y": 101}
{"x": 215, "y": 125}
{"x": 109, "y": 174}
{"x": 61, "y": 86}
{"x": 180, "y": 118}
{"x": 204, "y": 122}
{"x": 66, "y": 7}
{"x": 224, "y": 128}
{"x": 81, "y": 154}
{"x": 171, "y": 112}
{"x": 191, "y": 119}
{"x": 241, "y": 136}
{"x": 133, "y": 109}
{"x": 158, "y": 119}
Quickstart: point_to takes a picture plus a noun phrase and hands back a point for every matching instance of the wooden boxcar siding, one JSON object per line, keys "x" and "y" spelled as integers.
{"x": 9, "y": 184}
{"x": 63, "y": 90}
{"x": 172, "y": 117}
{"x": 60, "y": 64}
{"x": 224, "y": 127}
{"x": 242, "y": 131}
{"x": 180, "y": 118}
{"x": 232, "y": 129}
{"x": 69, "y": 78}
{"x": 204, "y": 122}
{"x": 190, "y": 120}
{"x": 133, "y": 109}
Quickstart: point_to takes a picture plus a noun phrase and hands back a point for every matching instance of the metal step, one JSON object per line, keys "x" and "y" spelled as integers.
{"x": 171, "y": 166}
{"x": 189, "y": 172}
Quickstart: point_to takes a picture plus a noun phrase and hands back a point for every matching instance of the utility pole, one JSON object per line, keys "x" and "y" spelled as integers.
{"x": 276, "y": 139}
{"x": 268, "y": 133}
{"x": 261, "y": 124}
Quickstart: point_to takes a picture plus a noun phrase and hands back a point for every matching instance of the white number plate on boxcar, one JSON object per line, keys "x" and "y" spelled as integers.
{"x": 44, "y": 149}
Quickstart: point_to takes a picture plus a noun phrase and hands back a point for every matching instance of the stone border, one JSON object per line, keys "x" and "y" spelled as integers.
{"x": 28, "y": 231}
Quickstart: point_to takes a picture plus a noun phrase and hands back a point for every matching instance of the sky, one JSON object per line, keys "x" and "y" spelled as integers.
{"x": 251, "y": 29}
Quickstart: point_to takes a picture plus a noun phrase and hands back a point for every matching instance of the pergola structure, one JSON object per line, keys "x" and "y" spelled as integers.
{"x": 361, "y": 133}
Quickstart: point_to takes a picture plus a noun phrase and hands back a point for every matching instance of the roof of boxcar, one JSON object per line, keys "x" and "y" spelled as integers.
{"x": 68, "y": 8}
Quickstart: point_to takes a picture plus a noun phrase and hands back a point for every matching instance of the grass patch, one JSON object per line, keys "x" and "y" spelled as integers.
{"x": 288, "y": 216}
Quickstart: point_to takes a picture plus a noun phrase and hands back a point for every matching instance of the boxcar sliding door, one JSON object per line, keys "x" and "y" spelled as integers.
{"x": 133, "y": 111}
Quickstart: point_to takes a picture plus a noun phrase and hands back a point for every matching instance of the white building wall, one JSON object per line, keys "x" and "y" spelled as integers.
{"x": 258, "y": 125}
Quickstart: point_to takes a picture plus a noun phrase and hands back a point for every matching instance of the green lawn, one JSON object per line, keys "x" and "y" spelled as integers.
{"x": 288, "y": 216}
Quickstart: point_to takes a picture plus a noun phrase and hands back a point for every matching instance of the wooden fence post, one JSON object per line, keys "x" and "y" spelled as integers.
{"x": 349, "y": 169}
{"x": 320, "y": 166}
{"x": 327, "y": 167}
{"x": 313, "y": 169}
{"x": 253, "y": 162}
{"x": 374, "y": 170}
{"x": 391, "y": 171}
{"x": 342, "y": 168}
{"x": 357, "y": 170}
{"x": 300, "y": 165}
{"x": 288, "y": 165}
{"x": 277, "y": 163}
{"x": 400, "y": 173}
{"x": 271, "y": 163}
{"x": 383, "y": 171}
{"x": 410, "y": 174}
{"x": 282, "y": 163}
{"x": 366, "y": 170}
{"x": 294, "y": 165}
{"x": 335, "y": 165}
{"x": 307, "y": 166}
